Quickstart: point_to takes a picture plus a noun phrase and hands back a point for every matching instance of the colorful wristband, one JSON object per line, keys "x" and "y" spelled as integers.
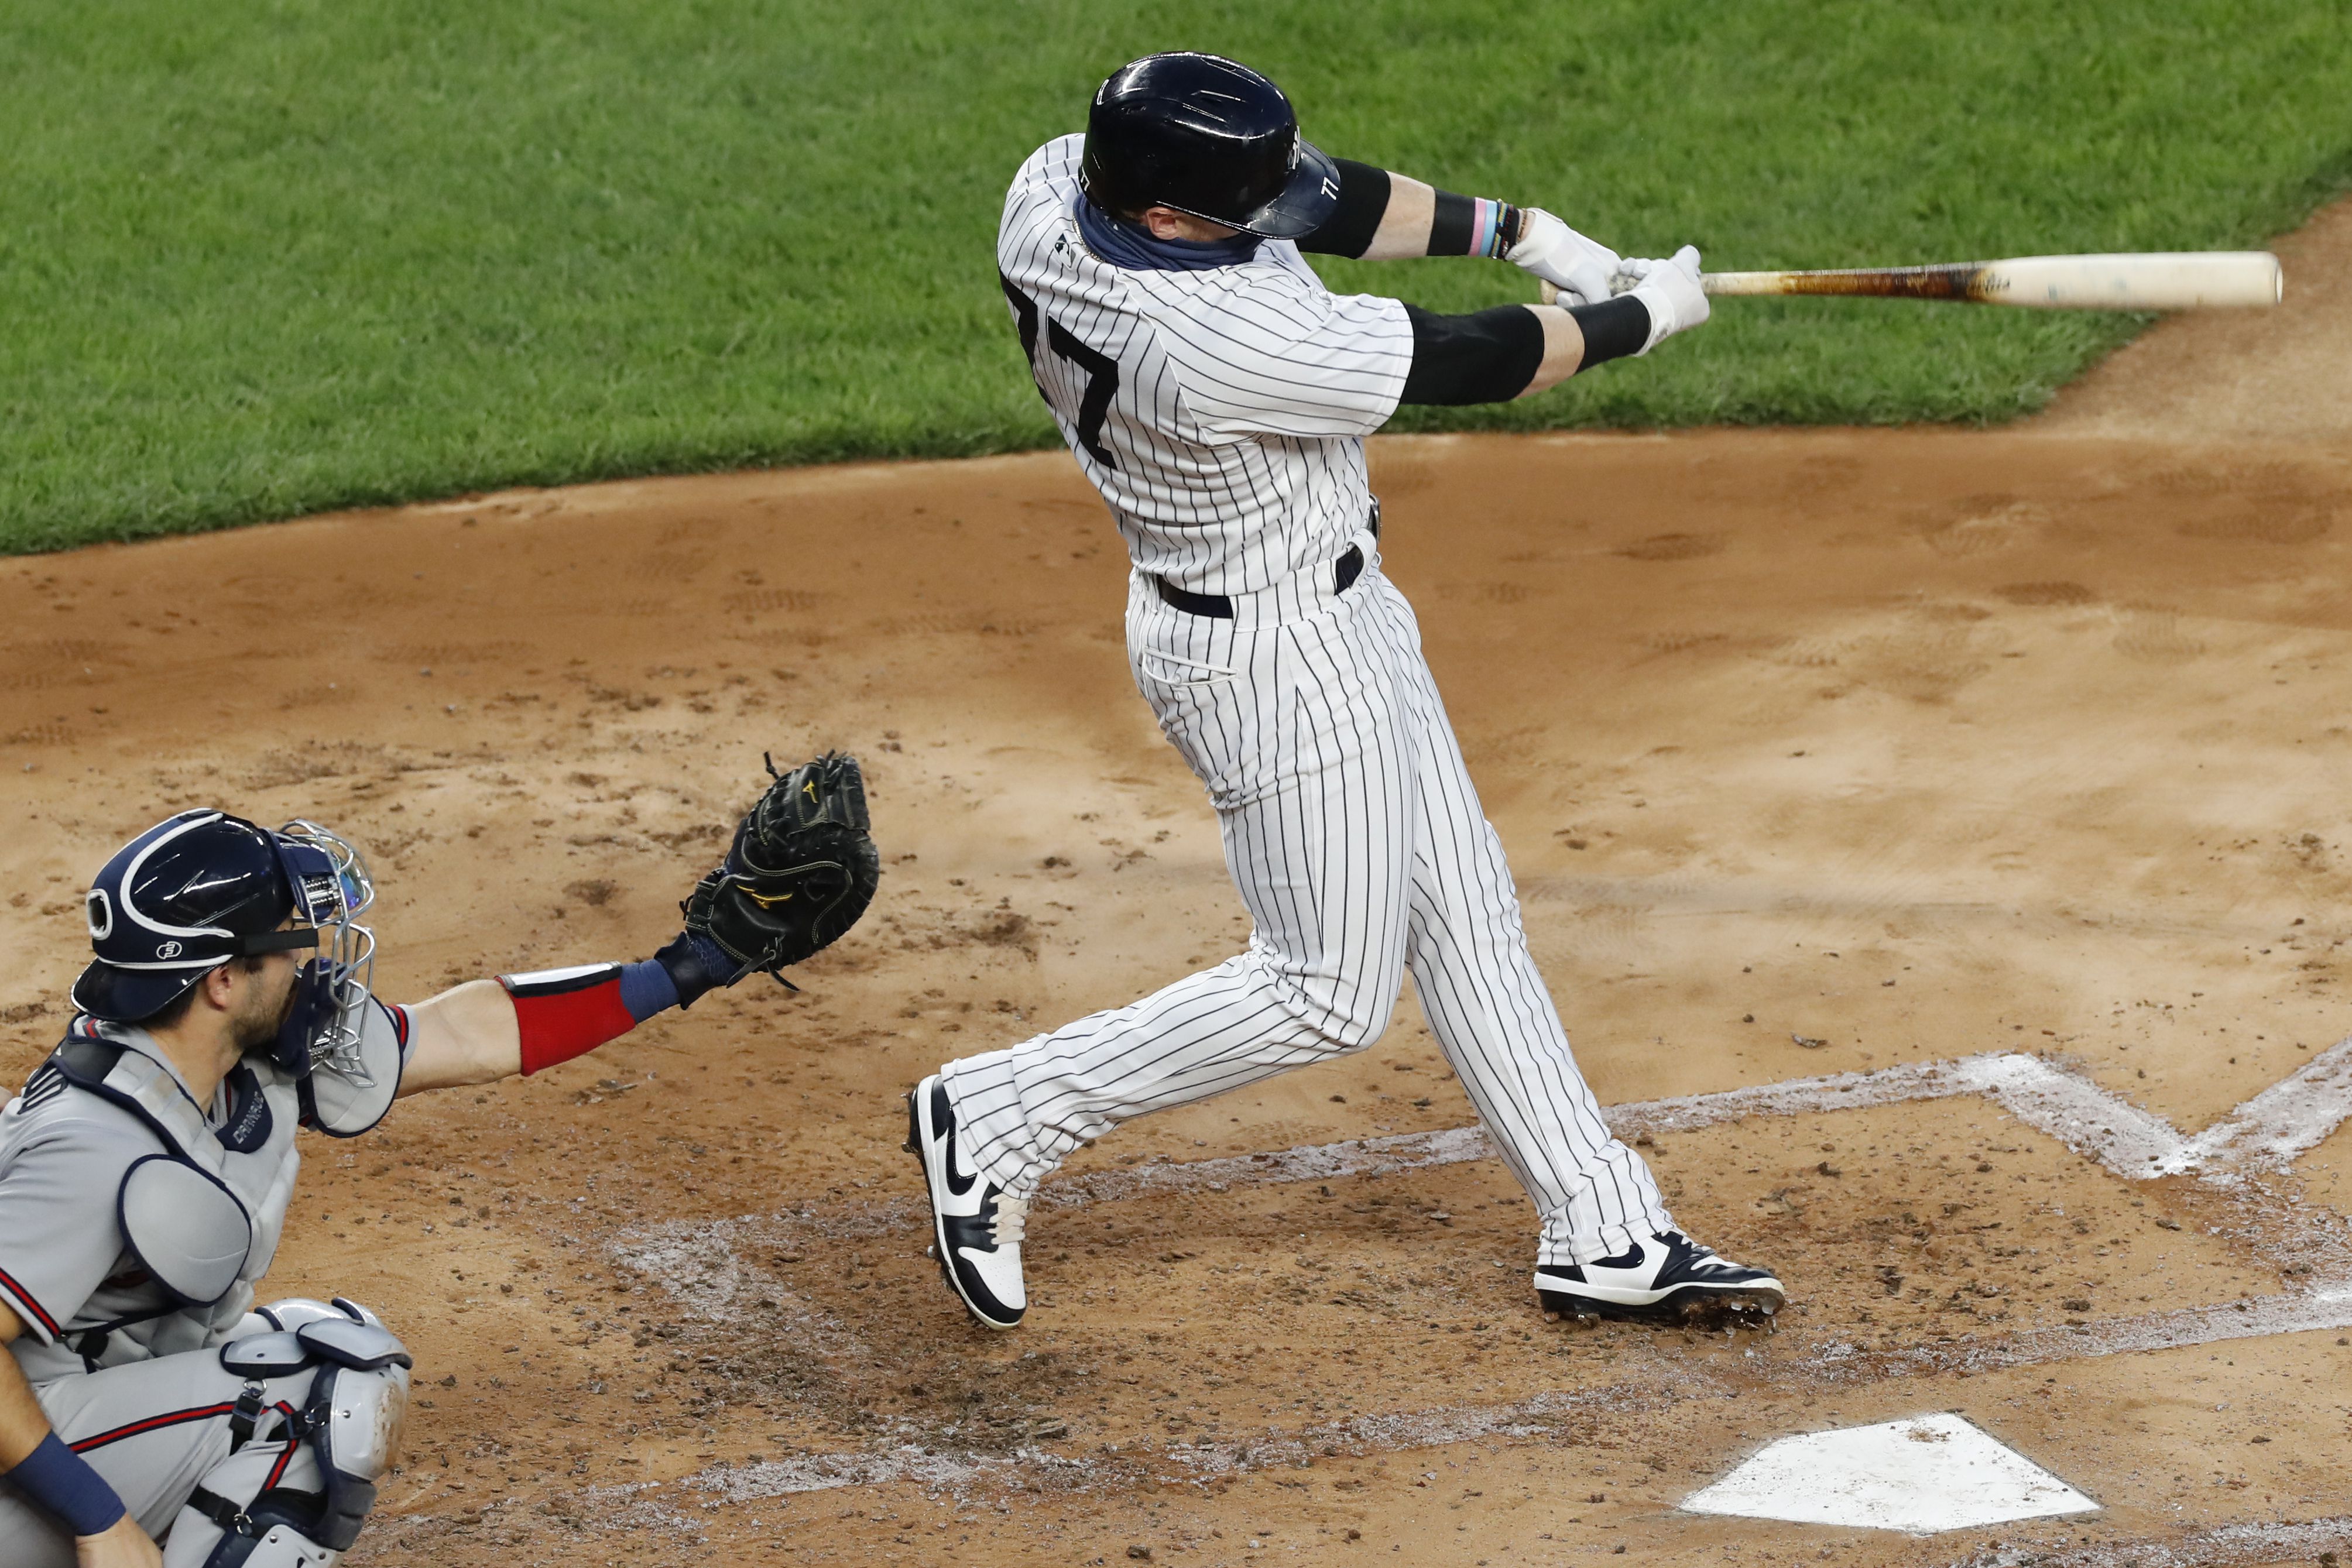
{"x": 1472, "y": 225}
{"x": 62, "y": 1482}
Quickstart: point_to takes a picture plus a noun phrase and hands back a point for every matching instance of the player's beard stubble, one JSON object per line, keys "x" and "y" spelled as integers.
{"x": 255, "y": 1026}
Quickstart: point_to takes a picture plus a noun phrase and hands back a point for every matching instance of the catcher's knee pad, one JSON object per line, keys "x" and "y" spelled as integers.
{"x": 355, "y": 1414}
{"x": 280, "y": 1531}
{"x": 291, "y": 1313}
{"x": 357, "y": 1402}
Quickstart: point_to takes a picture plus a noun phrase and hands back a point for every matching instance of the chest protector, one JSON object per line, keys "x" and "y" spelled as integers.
{"x": 203, "y": 1215}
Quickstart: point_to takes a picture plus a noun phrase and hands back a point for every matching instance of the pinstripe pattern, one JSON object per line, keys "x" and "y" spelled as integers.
{"x": 1235, "y": 436}
{"x": 1353, "y": 832}
{"x": 1231, "y": 454}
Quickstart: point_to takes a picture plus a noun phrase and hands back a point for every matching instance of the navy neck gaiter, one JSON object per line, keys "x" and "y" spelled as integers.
{"x": 1126, "y": 244}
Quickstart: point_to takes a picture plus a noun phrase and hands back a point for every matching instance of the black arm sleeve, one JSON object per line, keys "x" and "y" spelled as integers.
{"x": 1613, "y": 329}
{"x": 1490, "y": 356}
{"x": 1363, "y": 202}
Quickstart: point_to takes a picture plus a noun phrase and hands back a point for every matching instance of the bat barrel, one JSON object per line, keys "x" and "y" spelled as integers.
{"x": 2157, "y": 280}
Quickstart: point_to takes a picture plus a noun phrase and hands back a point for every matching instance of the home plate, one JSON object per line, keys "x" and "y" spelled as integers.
{"x": 1929, "y": 1473}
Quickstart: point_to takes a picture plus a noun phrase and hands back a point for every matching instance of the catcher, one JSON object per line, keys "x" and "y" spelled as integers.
{"x": 146, "y": 1169}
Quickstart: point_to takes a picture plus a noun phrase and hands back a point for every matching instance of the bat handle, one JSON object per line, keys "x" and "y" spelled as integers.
{"x": 1619, "y": 283}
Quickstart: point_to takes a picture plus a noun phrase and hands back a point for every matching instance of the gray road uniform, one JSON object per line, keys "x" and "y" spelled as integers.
{"x": 134, "y": 1227}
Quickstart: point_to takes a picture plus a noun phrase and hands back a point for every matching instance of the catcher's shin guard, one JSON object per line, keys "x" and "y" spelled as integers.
{"x": 976, "y": 1227}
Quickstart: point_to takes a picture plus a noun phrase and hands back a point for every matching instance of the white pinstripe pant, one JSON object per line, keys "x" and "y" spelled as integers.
{"x": 1355, "y": 837}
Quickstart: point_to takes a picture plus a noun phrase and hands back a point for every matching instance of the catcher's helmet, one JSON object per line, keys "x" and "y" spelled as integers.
{"x": 1208, "y": 137}
{"x": 202, "y": 887}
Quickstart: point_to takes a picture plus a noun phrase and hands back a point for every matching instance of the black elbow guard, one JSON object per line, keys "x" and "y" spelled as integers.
{"x": 1488, "y": 356}
{"x": 1363, "y": 203}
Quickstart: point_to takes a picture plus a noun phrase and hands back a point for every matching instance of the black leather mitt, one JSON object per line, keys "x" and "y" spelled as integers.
{"x": 802, "y": 869}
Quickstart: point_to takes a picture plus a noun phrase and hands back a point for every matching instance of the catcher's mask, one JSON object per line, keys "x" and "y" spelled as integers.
{"x": 201, "y": 888}
{"x": 332, "y": 889}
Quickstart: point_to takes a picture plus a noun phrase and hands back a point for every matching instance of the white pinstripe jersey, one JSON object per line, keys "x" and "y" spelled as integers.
{"x": 1220, "y": 412}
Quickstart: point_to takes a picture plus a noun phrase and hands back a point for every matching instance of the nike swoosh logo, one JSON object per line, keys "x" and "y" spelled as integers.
{"x": 957, "y": 1184}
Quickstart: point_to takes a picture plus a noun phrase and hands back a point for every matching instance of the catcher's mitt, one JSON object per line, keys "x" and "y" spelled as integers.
{"x": 802, "y": 869}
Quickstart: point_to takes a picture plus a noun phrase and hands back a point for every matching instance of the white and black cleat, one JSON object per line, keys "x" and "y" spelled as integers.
{"x": 975, "y": 1227}
{"x": 1665, "y": 1278}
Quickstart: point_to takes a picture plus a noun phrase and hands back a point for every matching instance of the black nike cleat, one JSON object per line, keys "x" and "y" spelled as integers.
{"x": 1665, "y": 1278}
{"x": 975, "y": 1227}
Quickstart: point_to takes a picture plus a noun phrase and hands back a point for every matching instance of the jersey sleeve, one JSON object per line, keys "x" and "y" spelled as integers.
{"x": 1269, "y": 354}
{"x": 402, "y": 1027}
{"x": 60, "y": 1238}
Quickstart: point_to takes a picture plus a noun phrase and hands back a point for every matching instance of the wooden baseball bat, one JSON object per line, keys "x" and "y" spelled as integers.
{"x": 2154, "y": 280}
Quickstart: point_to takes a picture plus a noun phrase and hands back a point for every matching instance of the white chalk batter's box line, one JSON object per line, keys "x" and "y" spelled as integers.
{"x": 2265, "y": 1133}
{"x": 696, "y": 1262}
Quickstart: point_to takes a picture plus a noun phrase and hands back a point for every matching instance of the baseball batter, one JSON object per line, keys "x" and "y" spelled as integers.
{"x": 147, "y": 1168}
{"x": 1218, "y": 396}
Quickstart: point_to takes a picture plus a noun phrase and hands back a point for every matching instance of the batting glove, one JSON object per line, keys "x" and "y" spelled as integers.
{"x": 1669, "y": 290}
{"x": 1562, "y": 257}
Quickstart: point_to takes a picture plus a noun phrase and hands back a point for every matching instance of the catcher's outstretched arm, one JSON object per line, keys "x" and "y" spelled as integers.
{"x": 484, "y": 1031}
{"x": 801, "y": 870}
{"x": 467, "y": 1034}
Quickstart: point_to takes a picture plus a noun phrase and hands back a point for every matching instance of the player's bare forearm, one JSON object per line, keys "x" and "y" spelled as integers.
{"x": 1387, "y": 216}
{"x": 467, "y": 1035}
{"x": 21, "y": 1423}
{"x": 1563, "y": 351}
{"x": 1405, "y": 222}
{"x": 1380, "y": 216}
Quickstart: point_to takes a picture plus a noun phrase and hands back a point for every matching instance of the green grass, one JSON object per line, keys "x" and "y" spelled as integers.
{"x": 292, "y": 255}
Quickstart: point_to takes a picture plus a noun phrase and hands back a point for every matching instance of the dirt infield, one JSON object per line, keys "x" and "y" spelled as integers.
{"x": 1817, "y": 755}
{"x": 2266, "y": 375}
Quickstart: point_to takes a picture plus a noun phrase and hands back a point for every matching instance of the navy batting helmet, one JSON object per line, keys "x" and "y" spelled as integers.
{"x": 1208, "y": 137}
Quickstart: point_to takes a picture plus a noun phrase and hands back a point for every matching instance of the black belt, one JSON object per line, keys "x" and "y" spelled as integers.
{"x": 1344, "y": 572}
